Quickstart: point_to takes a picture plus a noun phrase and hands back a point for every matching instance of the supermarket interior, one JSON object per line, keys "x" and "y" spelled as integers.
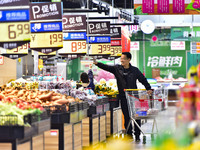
{"x": 99, "y": 74}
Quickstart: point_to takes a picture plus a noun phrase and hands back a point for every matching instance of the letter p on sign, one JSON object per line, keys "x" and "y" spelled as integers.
{"x": 35, "y": 10}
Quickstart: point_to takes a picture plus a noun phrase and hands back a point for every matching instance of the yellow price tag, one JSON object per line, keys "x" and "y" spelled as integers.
{"x": 16, "y": 31}
{"x": 45, "y": 40}
{"x": 100, "y": 48}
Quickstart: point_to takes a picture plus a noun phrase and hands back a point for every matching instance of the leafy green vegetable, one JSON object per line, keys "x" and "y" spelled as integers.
{"x": 10, "y": 109}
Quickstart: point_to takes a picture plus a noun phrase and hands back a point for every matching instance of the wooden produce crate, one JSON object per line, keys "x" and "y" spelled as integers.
{"x": 51, "y": 139}
{"x": 68, "y": 137}
{"x": 119, "y": 120}
{"x": 108, "y": 123}
{"x": 6, "y": 146}
{"x": 90, "y": 131}
{"x": 102, "y": 128}
{"x": 38, "y": 142}
{"x": 77, "y": 138}
{"x": 112, "y": 122}
{"x": 86, "y": 132}
{"x": 24, "y": 146}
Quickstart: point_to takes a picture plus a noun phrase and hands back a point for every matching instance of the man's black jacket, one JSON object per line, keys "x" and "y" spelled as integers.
{"x": 128, "y": 82}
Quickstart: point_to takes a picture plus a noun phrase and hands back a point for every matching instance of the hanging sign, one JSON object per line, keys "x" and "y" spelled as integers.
{"x": 14, "y": 23}
{"x": 16, "y": 52}
{"x": 74, "y": 22}
{"x": 116, "y": 42}
{"x": 74, "y": 36}
{"x": 45, "y": 11}
{"x": 46, "y": 27}
{"x": 99, "y": 38}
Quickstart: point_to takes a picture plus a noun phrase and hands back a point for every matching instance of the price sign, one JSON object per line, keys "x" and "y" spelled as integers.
{"x": 100, "y": 48}
{"x": 18, "y": 31}
{"x": 75, "y": 46}
{"x": 21, "y": 49}
{"x": 116, "y": 50}
{"x": 52, "y": 39}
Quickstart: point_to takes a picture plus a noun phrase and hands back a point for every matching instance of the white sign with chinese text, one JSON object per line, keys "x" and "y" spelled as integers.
{"x": 135, "y": 46}
{"x": 177, "y": 45}
{"x": 164, "y": 61}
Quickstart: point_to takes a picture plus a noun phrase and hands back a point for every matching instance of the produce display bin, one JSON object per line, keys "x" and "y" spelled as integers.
{"x": 95, "y": 109}
{"x": 114, "y": 103}
{"x": 106, "y": 105}
{"x": 59, "y": 118}
{"x": 102, "y": 128}
{"x": 77, "y": 136}
{"x": 60, "y": 115}
{"x": 113, "y": 121}
{"x": 19, "y": 135}
{"x": 38, "y": 142}
{"x": 90, "y": 131}
{"x": 84, "y": 111}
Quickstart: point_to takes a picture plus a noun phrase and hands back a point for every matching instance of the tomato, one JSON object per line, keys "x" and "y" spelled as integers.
{"x": 41, "y": 108}
{"x": 37, "y": 105}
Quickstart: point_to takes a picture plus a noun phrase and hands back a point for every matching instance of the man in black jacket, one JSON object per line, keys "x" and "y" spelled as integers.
{"x": 126, "y": 76}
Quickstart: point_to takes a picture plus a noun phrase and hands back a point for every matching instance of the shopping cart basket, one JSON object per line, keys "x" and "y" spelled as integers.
{"x": 143, "y": 106}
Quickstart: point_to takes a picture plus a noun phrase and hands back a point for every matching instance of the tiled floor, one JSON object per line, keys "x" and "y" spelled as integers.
{"x": 165, "y": 122}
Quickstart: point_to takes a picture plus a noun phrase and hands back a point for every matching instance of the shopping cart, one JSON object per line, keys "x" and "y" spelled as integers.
{"x": 143, "y": 106}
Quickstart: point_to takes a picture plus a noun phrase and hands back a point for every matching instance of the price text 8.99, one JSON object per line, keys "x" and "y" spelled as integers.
{"x": 76, "y": 46}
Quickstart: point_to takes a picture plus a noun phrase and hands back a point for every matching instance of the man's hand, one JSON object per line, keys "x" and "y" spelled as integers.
{"x": 90, "y": 66}
{"x": 149, "y": 92}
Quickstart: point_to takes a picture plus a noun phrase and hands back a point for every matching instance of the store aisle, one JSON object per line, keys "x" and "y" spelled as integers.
{"x": 166, "y": 123}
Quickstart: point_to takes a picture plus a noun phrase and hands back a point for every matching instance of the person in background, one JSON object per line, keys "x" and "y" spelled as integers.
{"x": 87, "y": 79}
{"x": 126, "y": 76}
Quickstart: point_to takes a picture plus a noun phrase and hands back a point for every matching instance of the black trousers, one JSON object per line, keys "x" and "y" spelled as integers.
{"x": 125, "y": 111}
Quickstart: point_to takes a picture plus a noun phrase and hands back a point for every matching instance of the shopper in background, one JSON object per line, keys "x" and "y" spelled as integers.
{"x": 126, "y": 76}
{"x": 87, "y": 80}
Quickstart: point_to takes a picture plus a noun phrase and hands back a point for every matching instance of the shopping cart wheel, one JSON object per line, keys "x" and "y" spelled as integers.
{"x": 152, "y": 137}
{"x": 144, "y": 140}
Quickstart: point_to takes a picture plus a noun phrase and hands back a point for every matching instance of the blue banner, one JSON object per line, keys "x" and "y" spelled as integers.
{"x": 14, "y": 15}
{"x": 46, "y": 27}
{"x": 99, "y": 39}
{"x": 74, "y": 36}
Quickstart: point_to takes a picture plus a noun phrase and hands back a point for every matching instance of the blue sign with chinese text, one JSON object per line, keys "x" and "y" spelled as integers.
{"x": 74, "y": 36}
{"x": 46, "y": 27}
{"x": 14, "y": 15}
{"x": 99, "y": 39}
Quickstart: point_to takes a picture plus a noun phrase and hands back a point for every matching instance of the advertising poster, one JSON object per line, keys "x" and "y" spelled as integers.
{"x": 167, "y": 7}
